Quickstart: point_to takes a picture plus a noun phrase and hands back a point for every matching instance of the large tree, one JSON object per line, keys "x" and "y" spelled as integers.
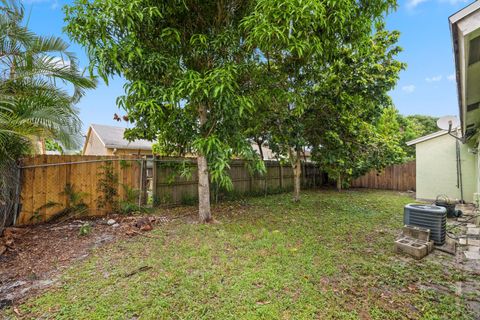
{"x": 352, "y": 124}
{"x": 184, "y": 62}
{"x": 352, "y": 146}
{"x": 298, "y": 41}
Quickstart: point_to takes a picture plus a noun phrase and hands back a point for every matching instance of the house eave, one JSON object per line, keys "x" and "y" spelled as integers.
{"x": 113, "y": 146}
{"x": 458, "y": 73}
{"x": 427, "y": 137}
{"x": 464, "y": 26}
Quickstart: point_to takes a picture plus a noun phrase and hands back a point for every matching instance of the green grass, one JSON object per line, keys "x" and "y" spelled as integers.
{"x": 328, "y": 257}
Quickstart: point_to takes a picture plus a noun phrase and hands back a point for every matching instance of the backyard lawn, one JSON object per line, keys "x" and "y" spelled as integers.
{"x": 328, "y": 257}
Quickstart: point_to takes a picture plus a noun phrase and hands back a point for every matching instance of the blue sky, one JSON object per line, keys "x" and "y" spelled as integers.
{"x": 426, "y": 87}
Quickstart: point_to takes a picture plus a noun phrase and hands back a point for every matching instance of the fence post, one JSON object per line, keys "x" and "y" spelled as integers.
{"x": 154, "y": 181}
{"x": 265, "y": 181}
{"x": 140, "y": 184}
{"x": 281, "y": 175}
{"x": 17, "y": 194}
{"x": 314, "y": 175}
{"x": 250, "y": 183}
{"x": 304, "y": 173}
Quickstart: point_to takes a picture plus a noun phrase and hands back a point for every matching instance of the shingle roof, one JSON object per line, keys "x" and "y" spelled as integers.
{"x": 112, "y": 137}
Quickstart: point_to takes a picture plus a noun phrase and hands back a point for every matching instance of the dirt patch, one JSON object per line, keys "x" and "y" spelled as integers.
{"x": 36, "y": 255}
{"x": 33, "y": 257}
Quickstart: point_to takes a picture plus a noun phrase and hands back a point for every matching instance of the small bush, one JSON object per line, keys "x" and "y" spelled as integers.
{"x": 188, "y": 200}
{"x": 85, "y": 229}
{"x": 126, "y": 207}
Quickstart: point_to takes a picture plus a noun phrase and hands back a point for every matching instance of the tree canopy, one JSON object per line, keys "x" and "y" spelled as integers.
{"x": 323, "y": 61}
{"x": 415, "y": 126}
{"x": 206, "y": 77}
{"x": 352, "y": 124}
{"x": 184, "y": 62}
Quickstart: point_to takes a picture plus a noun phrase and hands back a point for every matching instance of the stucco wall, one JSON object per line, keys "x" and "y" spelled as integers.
{"x": 95, "y": 147}
{"x": 437, "y": 169}
{"x": 129, "y": 152}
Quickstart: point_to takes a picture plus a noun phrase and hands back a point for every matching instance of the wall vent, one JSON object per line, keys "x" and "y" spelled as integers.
{"x": 474, "y": 51}
{"x": 473, "y": 106}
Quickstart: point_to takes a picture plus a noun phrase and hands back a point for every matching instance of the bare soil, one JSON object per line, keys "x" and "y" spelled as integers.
{"x": 34, "y": 256}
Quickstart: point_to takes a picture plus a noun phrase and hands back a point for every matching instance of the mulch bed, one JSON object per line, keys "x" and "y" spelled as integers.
{"x": 32, "y": 257}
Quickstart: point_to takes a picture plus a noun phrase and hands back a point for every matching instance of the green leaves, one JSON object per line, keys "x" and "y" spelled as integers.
{"x": 179, "y": 58}
{"x": 202, "y": 77}
{"x": 32, "y": 105}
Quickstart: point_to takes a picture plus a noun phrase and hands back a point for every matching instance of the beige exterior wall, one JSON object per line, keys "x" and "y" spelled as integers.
{"x": 128, "y": 152}
{"x": 476, "y": 197}
{"x": 94, "y": 146}
{"x": 437, "y": 169}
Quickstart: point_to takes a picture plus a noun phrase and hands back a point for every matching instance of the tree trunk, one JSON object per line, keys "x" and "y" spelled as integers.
{"x": 339, "y": 182}
{"x": 260, "y": 150}
{"x": 297, "y": 173}
{"x": 204, "y": 213}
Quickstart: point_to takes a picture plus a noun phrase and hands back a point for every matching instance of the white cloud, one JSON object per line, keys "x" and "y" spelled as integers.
{"x": 411, "y": 4}
{"x": 60, "y": 62}
{"x": 454, "y": 2}
{"x": 451, "y": 77}
{"x": 434, "y": 78}
{"x": 53, "y": 3}
{"x": 35, "y": 1}
{"x": 408, "y": 89}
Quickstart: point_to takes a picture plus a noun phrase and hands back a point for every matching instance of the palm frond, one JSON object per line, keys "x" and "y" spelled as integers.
{"x": 34, "y": 74}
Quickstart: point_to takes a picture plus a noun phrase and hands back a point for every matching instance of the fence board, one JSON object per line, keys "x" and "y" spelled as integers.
{"x": 44, "y": 179}
{"x": 401, "y": 177}
{"x": 182, "y": 190}
{"x": 43, "y": 184}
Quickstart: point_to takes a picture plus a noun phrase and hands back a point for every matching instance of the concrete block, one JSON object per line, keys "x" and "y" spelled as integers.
{"x": 474, "y": 242}
{"x": 430, "y": 246}
{"x": 472, "y": 255}
{"x": 411, "y": 247}
{"x": 416, "y": 232}
{"x": 473, "y": 231}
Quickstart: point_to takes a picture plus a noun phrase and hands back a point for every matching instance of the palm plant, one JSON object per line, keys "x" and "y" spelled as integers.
{"x": 40, "y": 83}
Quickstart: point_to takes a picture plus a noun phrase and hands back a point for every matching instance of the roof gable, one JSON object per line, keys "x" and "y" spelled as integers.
{"x": 113, "y": 138}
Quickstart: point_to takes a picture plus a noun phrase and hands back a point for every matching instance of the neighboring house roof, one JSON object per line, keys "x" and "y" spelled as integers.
{"x": 113, "y": 138}
{"x": 427, "y": 137}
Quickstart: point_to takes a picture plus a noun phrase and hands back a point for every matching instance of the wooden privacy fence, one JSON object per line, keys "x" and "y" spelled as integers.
{"x": 401, "y": 177}
{"x": 172, "y": 188}
{"x": 44, "y": 179}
